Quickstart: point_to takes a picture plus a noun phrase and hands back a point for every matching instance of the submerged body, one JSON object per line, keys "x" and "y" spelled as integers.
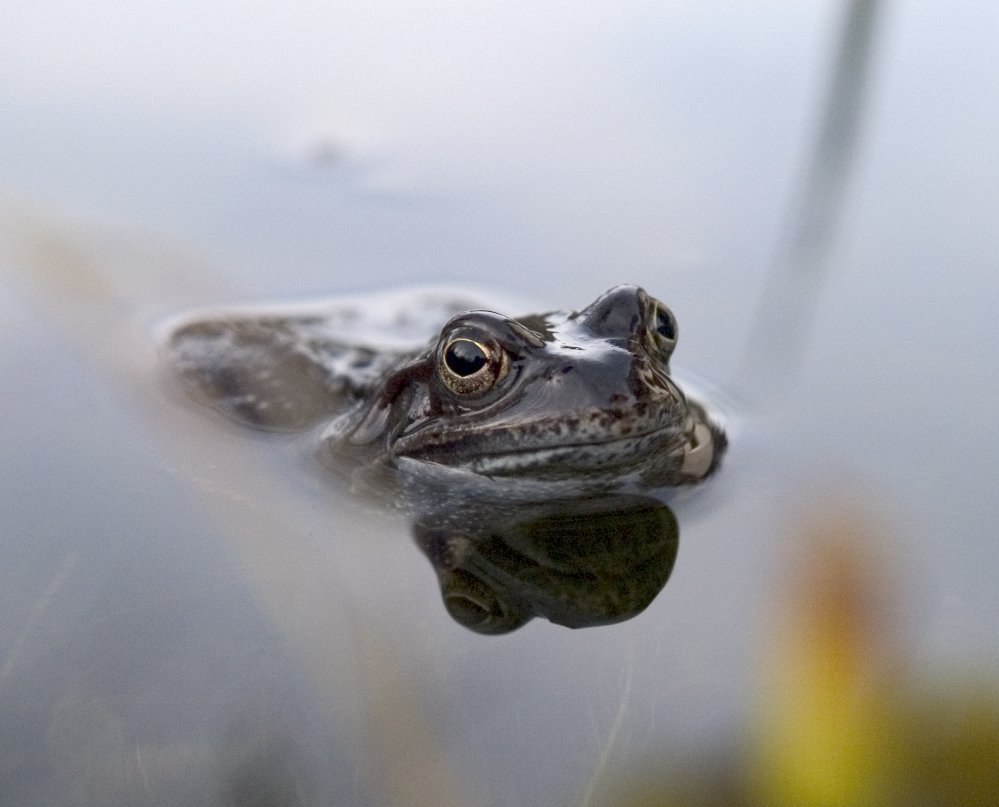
{"x": 583, "y": 399}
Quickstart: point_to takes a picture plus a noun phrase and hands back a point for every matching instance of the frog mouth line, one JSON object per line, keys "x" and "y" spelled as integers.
{"x": 485, "y": 454}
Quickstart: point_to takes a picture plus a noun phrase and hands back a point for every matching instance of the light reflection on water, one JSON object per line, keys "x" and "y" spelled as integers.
{"x": 147, "y": 650}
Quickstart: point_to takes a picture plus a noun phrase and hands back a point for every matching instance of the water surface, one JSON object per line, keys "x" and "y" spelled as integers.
{"x": 192, "y": 614}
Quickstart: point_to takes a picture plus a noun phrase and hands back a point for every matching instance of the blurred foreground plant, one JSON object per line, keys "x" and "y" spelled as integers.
{"x": 845, "y": 715}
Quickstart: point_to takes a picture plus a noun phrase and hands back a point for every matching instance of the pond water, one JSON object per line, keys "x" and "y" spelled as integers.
{"x": 191, "y": 613}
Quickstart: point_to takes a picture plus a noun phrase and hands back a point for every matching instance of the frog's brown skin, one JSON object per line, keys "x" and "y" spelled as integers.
{"x": 584, "y": 399}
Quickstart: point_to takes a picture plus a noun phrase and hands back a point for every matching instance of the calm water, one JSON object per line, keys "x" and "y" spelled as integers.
{"x": 193, "y": 614}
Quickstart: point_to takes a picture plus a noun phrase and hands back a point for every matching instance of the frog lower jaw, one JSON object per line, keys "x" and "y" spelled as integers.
{"x": 616, "y": 455}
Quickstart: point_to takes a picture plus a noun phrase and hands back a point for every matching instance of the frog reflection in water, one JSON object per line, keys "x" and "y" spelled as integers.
{"x": 578, "y": 562}
{"x": 443, "y": 401}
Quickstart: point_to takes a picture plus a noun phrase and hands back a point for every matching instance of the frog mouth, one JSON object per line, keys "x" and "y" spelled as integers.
{"x": 569, "y": 460}
{"x": 550, "y": 447}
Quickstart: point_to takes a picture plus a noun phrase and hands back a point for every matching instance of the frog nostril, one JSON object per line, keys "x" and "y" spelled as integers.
{"x": 616, "y": 314}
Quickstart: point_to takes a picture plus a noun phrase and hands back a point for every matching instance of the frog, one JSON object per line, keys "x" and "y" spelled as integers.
{"x": 440, "y": 386}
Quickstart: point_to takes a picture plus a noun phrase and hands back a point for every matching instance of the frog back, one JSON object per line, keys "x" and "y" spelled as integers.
{"x": 289, "y": 367}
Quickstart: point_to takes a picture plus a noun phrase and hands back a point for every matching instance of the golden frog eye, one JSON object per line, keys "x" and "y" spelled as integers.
{"x": 465, "y": 358}
{"x": 664, "y": 323}
{"x": 661, "y": 329}
{"x": 468, "y": 367}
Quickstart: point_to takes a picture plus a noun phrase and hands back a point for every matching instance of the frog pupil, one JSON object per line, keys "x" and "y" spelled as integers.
{"x": 464, "y": 357}
{"x": 664, "y": 325}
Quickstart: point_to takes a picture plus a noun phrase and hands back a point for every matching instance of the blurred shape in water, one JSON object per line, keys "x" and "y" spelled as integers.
{"x": 846, "y": 716}
{"x": 824, "y": 735}
{"x": 97, "y": 304}
{"x": 802, "y": 260}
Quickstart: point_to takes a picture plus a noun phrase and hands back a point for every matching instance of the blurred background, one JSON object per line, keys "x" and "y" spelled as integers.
{"x": 193, "y": 615}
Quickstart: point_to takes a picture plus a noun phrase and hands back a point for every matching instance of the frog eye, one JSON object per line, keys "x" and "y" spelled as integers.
{"x": 470, "y": 367}
{"x": 664, "y": 323}
{"x": 465, "y": 358}
{"x": 661, "y": 329}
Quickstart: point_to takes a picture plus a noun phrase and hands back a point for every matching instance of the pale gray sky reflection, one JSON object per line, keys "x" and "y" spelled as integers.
{"x": 224, "y": 623}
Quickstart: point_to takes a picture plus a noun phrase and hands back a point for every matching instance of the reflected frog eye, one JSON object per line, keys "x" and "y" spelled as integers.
{"x": 476, "y": 605}
{"x": 470, "y": 367}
